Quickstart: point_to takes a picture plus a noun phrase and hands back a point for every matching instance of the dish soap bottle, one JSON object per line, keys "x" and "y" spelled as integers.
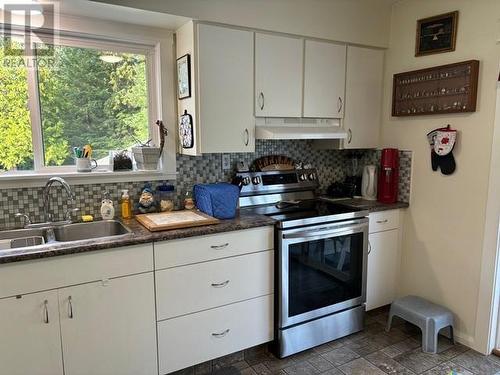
{"x": 126, "y": 205}
{"x": 107, "y": 209}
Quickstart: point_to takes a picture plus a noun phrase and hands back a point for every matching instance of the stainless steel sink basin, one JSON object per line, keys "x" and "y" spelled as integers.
{"x": 85, "y": 231}
{"x": 17, "y": 238}
{"x": 26, "y": 238}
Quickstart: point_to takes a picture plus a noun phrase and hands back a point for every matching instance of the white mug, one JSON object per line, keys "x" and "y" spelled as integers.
{"x": 85, "y": 164}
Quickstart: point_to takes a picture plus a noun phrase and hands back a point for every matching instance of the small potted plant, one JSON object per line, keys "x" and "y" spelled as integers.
{"x": 121, "y": 161}
{"x": 147, "y": 156}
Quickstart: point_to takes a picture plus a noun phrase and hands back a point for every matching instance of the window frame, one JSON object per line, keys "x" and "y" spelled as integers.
{"x": 153, "y": 76}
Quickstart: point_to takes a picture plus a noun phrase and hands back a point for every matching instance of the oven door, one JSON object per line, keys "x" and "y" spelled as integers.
{"x": 322, "y": 270}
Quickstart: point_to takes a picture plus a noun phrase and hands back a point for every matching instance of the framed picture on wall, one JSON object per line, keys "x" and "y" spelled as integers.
{"x": 183, "y": 77}
{"x": 436, "y": 34}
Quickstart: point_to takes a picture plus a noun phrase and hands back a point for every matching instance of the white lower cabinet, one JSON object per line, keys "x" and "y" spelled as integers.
{"x": 214, "y": 296}
{"x": 108, "y": 327}
{"x": 30, "y": 341}
{"x": 199, "y": 337}
{"x": 94, "y": 314}
{"x": 384, "y": 258}
{"x": 103, "y": 327}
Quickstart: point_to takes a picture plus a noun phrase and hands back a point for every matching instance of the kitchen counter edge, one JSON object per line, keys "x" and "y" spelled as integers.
{"x": 139, "y": 235}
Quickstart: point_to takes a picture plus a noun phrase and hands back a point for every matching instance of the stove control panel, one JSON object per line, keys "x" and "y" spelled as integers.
{"x": 255, "y": 183}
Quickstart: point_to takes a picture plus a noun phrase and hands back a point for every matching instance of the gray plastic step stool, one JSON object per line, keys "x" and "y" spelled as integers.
{"x": 428, "y": 316}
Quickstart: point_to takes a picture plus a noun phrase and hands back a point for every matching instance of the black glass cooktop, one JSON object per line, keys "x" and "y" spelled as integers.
{"x": 306, "y": 212}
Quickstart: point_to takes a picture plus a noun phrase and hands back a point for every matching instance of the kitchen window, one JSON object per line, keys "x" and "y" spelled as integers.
{"x": 83, "y": 91}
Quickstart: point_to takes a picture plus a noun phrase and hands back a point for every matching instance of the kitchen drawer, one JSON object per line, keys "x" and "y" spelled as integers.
{"x": 211, "y": 284}
{"x": 50, "y": 273}
{"x": 196, "y": 338}
{"x": 383, "y": 220}
{"x": 200, "y": 249}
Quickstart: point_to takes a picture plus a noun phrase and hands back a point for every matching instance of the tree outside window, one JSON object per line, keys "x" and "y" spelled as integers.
{"x": 83, "y": 99}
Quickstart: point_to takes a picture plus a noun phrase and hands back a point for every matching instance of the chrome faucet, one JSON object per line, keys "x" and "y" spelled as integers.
{"x": 46, "y": 202}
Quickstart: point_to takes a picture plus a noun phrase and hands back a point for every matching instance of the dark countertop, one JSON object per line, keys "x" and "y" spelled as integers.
{"x": 139, "y": 235}
{"x": 372, "y": 206}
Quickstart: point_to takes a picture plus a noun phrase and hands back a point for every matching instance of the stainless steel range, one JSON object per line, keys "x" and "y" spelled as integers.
{"x": 321, "y": 252}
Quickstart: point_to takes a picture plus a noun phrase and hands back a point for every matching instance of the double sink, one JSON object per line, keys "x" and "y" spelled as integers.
{"x": 26, "y": 238}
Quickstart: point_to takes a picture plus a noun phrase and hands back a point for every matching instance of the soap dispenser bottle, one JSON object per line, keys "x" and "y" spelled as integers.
{"x": 107, "y": 209}
{"x": 126, "y": 205}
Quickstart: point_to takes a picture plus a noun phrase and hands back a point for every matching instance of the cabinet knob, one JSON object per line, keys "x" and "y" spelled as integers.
{"x": 221, "y": 334}
{"x": 220, "y": 285}
{"x": 219, "y": 247}
{"x": 261, "y": 100}
{"x": 339, "y": 105}
{"x": 369, "y": 247}
{"x": 70, "y": 308}
{"x": 46, "y": 312}
{"x": 349, "y": 136}
{"x": 247, "y": 137}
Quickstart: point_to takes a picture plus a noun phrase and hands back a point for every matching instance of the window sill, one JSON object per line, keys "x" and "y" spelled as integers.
{"x": 32, "y": 179}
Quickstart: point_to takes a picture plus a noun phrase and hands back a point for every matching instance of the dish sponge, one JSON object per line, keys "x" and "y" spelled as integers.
{"x": 87, "y": 218}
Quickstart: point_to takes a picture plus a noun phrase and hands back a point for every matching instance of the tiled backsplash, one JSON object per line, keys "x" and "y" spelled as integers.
{"x": 332, "y": 166}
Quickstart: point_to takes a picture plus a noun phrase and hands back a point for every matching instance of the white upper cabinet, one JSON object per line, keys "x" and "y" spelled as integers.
{"x": 31, "y": 342}
{"x": 324, "y": 79}
{"x": 363, "y": 103}
{"x": 278, "y": 75}
{"x": 225, "y": 73}
{"x": 222, "y": 87}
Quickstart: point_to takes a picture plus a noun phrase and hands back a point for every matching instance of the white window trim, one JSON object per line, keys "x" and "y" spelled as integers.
{"x": 41, "y": 173}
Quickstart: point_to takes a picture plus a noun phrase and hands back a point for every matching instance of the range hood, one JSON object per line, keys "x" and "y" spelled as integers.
{"x": 298, "y": 128}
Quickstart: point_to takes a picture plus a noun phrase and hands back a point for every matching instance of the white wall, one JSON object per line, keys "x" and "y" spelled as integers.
{"x": 356, "y": 21}
{"x": 443, "y": 232}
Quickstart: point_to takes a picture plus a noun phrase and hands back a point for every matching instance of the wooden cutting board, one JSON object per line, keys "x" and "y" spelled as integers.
{"x": 175, "y": 220}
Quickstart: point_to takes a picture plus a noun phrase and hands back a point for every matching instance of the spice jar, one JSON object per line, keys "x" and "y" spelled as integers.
{"x": 189, "y": 200}
{"x": 165, "y": 197}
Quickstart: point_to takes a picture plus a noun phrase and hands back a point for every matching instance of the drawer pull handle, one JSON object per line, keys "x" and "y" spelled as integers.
{"x": 70, "y": 308}
{"x": 220, "y": 285}
{"x": 220, "y": 247}
{"x": 46, "y": 312}
{"x": 382, "y": 221}
{"x": 221, "y": 334}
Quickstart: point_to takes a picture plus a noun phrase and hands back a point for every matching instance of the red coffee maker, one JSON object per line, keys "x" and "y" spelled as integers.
{"x": 388, "y": 176}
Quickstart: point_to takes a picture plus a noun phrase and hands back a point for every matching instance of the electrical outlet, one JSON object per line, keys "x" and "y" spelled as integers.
{"x": 226, "y": 162}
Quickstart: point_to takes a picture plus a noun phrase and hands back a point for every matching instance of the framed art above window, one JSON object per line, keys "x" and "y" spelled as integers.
{"x": 436, "y": 34}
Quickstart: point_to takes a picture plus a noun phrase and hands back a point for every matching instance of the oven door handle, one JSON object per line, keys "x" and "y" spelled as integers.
{"x": 324, "y": 231}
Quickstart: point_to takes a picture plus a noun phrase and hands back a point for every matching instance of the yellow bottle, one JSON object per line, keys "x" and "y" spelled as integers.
{"x": 126, "y": 205}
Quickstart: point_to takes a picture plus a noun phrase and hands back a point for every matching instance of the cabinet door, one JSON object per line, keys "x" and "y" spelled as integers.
{"x": 278, "y": 76}
{"x": 108, "y": 327}
{"x": 383, "y": 268}
{"x": 30, "y": 337}
{"x": 324, "y": 79}
{"x": 363, "y": 102}
{"x": 225, "y": 61}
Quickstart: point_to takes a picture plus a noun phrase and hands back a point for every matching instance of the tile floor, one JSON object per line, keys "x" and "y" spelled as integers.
{"x": 372, "y": 351}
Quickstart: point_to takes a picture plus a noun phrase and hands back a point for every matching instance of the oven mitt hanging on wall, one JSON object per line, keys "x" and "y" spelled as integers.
{"x": 431, "y": 136}
{"x": 442, "y": 142}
